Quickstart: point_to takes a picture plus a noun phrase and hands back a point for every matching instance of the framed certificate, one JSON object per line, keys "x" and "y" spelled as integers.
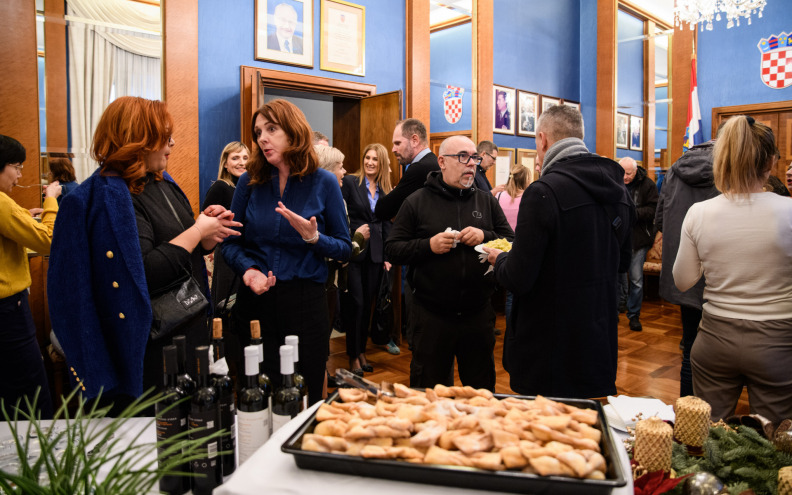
{"x": 343, "y": 37}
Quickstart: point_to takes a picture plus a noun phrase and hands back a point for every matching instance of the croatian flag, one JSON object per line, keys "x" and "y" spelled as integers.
{"x": 693, "y": 135}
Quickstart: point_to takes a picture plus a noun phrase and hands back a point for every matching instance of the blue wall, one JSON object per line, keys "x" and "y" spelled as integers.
{"x": 629, "y": 81}
{"x": 588, "y": 71}
{"x": 537, "y": 48}
{"x": 451, "y": 63}
{"x": 661, "y": 119}
{"x": 728, "y": 62}
{"x": 226, "y": 41}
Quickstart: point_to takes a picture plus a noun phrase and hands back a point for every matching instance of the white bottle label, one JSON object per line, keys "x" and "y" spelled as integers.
{"x": 278, "y": 421}
{"x": 253, "y": 432}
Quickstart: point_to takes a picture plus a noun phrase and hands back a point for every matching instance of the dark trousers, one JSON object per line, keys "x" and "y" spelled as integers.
{"x": 691, "y": 317}
{"x": 294, "y": 307}
{"x": 363, "y": 280}
{"x": 439, "y": 338}
{"x": 21, "y": 363}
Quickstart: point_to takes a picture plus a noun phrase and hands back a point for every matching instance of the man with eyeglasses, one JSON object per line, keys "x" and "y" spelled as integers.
{"x": 573, "y": 236}
{"x": 435, "y": 233}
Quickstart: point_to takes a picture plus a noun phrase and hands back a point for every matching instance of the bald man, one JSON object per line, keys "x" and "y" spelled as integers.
{"x": 435, "y": 233}
{"x": 643, "y": 192}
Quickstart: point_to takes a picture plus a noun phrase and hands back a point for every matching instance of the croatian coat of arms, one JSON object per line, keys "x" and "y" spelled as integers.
{"x": 452, "y": 102}
{"x": 776, "y": 67}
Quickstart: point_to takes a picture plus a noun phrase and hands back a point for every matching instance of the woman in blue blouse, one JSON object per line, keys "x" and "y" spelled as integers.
{"x": 293, "y": 216}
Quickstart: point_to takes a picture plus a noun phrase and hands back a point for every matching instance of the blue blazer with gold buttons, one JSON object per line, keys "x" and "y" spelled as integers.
{"x": 98, "y": 298}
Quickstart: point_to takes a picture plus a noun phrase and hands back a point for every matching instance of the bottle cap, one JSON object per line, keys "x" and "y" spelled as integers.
{"x": 294, "y": 341}
{"x": 251, "y": 360}
{"x": 217, "y": 328}
{"x": 255, "y": 329}
{"x": 169, "y": 362}
{"x": 286, "y": 360}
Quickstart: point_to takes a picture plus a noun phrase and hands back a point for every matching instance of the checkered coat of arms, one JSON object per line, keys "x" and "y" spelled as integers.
{"x": 776, "y": 67}
{"x": 452, "y": 103}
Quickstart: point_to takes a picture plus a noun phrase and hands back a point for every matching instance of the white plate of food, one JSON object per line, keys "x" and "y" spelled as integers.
{"x": 501, "y": 244}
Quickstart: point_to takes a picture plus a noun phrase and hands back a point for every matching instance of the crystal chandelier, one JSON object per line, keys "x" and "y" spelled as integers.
{"x": 704, "y": 11}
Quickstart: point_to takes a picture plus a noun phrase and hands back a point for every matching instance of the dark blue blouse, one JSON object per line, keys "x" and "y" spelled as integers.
{"x": 269, "y": 242}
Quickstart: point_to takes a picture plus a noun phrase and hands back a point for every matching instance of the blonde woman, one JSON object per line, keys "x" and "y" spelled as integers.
{"x": 741, "y": 242}
{"x": 233, "y": 163}
{"x": 361, "y": 192}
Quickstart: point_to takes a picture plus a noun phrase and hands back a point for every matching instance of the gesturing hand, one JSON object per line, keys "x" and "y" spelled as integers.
{"x": 215, "y": 229}
{"x": 306, "y": 228}
{"x": 257, "y": 281}
{"x": 442, "y": 243}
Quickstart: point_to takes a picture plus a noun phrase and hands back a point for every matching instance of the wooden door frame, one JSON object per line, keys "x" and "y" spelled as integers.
{"x": 752, "y": 108}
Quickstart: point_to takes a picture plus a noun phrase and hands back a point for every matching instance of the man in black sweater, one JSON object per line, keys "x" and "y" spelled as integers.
{"x": 435, "y": 233}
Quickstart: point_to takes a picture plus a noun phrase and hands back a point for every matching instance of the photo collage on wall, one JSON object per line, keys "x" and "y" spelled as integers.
{"x": 516, "y": 111}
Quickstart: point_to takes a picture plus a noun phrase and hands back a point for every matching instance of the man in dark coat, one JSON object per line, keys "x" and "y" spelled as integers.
{"x": 688, "y": 181}
{"x": 572, "y": 236}
{"x": 435, "y": 233}
{"x": 643, "y": 191}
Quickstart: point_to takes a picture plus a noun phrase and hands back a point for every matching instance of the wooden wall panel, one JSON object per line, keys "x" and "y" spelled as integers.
{"x": 482, "y": 70}
{"x": 56, "y": 76}
{"x": 19, "y": 92}
{"x": 417, "y": 63}
{"x": 679, "y": 89}
{"x": 606, "y": 77}
{"x": 180, "y": 90}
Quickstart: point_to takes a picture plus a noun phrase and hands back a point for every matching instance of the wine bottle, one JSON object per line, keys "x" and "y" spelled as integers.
{"x": 299, "y": 380}
{"x": 253, "y": 411}
{"x": 205, "y": 414}
{"x": 225, "y": 389}
{"x": 264, "y": 381}
{"x": 287, "y": 402}
{"x": 173, "y": 421}
{"x": 184, "y": 380}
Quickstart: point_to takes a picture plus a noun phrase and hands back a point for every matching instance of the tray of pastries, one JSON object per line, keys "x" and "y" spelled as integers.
{"x": 460, "y": 436}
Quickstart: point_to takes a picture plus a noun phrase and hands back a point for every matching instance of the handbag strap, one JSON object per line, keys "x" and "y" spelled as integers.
{"x": 167, "y": 200}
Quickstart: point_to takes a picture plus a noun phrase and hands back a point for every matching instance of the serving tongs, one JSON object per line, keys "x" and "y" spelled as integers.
{"x": 348, "y": 378}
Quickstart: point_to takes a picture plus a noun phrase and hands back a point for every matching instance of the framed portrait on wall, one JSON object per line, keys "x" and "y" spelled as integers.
{"x": 503, "y": 109}
{"x": 503, "y": 165}
{"x": 527, "y": 158}
{"x": 573, "y": 104}
{"x": 284, "y": 31}
{"x": 527, "y": 106}
{"x": 636, "y": 133}
{"x": 622, "y": 130}
{"x": 343, "y": 37}
{"x": 549, "y": 101}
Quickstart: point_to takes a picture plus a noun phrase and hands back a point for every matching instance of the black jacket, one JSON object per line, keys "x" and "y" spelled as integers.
{"x": 688, "y": 181}
{"x": 643, "y": 191}
{"x": 356, "y": 197}
{"x": 453, "y": 282}
{"x": 572, "y": 236}
{"x": 412, "y": 180}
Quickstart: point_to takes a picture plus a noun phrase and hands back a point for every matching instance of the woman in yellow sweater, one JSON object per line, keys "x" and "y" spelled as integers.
{"x": 20, "y": 357}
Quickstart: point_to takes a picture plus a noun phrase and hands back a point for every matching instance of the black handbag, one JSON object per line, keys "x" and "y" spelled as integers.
{"x": 177, "y": 303}
{"x": 382, "y": 322}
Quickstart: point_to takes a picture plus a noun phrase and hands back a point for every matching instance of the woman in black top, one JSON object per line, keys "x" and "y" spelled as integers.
{"x": 233, "y": 163}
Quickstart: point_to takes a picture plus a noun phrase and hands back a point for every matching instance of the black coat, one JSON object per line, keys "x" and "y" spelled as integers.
{"x": 453, "y": 282}
{"x": 643, "y": 191}
{"x": 356, "y": 197}
{"x": 572, "y": 236}
{"x": 412, "y": 180}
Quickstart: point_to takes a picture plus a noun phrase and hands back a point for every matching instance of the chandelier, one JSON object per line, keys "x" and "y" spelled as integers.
{"x": 704, "y": 11}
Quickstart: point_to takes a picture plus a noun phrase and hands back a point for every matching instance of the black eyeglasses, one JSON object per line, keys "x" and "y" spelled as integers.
{"x": 465, "y": 158}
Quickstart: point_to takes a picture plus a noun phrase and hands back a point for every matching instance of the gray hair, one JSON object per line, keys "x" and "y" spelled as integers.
{"x": 561, "y": 121}
{"x": 328, "y": 156}
{"x": 628, "y": 161}
{"x": 486, "y": 147}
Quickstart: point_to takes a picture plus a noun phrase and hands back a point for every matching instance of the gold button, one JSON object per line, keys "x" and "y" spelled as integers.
{"x": 115, "y": 285}
{"x": 121, "y": 315}
{"x": 110, "y": 254}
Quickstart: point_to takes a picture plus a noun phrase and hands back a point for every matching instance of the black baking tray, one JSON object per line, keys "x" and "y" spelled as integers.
{"x": 465, "y": 477}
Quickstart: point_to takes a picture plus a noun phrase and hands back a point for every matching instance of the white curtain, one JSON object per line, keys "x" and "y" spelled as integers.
{"x": 106, "y": 61}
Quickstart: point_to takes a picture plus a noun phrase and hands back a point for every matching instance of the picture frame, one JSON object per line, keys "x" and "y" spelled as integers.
{"x": 342, "y": 38}
{"x": 503, "y": 111}
{"x": 622, "y": 130}
{"x": 528, "y": 111}
{"x": 575, "y": 104}
{"x": 636, "y": 133}
{"x": 284, "y": 32}
{"x": 503, "y": 165}
{"x": 527, "y": 158}
{"x": 549, "y": 101}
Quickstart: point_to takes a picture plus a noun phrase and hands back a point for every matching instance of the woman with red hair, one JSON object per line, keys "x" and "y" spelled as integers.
{"x": 127, "y": 232}
{"x": 294, "y": 218}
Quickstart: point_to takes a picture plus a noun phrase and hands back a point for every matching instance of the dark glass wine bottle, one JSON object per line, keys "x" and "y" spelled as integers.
{"x": 173, "y": 421}
{"x": 299, "y": 380}
{"x": 205, "y": 414}
{"x": 184, "y": 380}
{"x": 225, "y": 389}
{"x": 264, "y": 381}
{"x": 253, "y": 411}
{"x": 287, "y": 402}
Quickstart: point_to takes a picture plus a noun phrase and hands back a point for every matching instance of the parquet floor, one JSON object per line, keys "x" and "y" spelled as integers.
{"x": 649, "y": 361}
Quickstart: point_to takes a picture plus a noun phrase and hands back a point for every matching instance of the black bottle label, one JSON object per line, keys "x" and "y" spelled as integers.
{"x": 207, "y": 465}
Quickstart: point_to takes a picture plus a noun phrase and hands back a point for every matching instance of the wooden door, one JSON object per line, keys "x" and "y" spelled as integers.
{"x": 378, "y": 117}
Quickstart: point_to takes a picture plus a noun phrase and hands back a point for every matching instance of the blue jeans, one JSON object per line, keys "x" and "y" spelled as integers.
{"x": 636, "y": 276}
